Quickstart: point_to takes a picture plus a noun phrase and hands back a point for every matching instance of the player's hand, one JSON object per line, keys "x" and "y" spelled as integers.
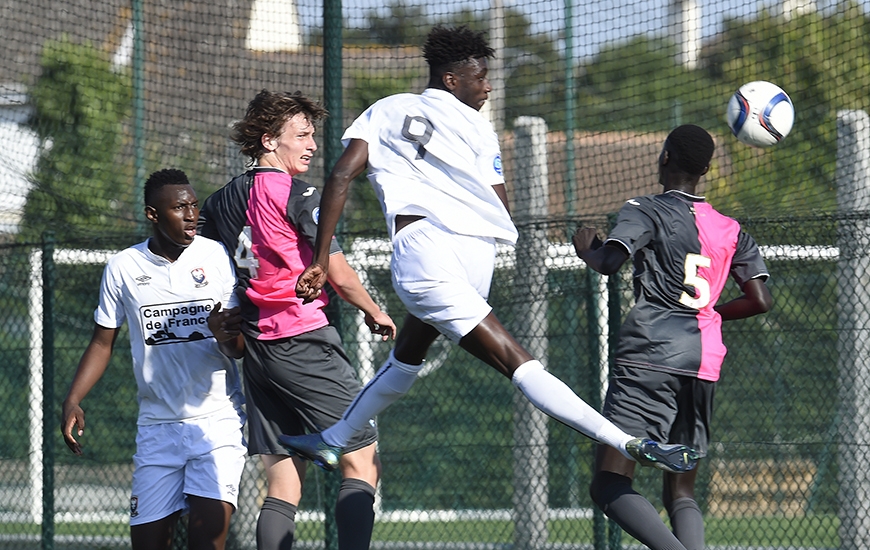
{"x": 585, "y": 240}
{"x": 225, "y": 324}
{"x": 72, "y": 416}
{"x": 382, "y": 324}
{"x": 310, "y": 283}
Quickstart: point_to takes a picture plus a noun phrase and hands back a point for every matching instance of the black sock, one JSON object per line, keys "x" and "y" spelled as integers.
{"x": 355, "y": 514}
{"x": 687, "y": 522}
{"x": 276, "y": 525}
{"x": 635, "y": 514}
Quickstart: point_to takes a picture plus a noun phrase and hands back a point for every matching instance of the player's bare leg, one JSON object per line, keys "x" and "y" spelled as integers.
{"x": 154, "y": 535}
{"x": 208, "y": 523}
{"x": 494, "y": 345}
{"x": 276, "y": 525}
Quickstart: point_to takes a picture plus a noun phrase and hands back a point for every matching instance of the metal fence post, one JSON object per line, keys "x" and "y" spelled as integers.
{"x": 332, "y": 94}
{"x": 49, "y": 424}
{"x": 531, "y": 488}
{"x": 853, "y": 197}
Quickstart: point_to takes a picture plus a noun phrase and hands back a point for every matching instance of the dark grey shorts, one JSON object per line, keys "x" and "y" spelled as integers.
{"x": 297, "y": 385}
{"x": 666, "y": 407}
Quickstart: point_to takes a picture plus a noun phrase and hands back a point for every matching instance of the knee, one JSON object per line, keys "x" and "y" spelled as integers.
{"x": 363, "y": 464}
{"x": 607, "y": 487}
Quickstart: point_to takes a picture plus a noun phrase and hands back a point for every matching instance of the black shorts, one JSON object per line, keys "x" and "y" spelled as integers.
{"x": 666, "y": 407}
{"x": 297, "y": 385}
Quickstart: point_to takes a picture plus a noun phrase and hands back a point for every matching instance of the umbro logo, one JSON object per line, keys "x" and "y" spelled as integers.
{"x": 143, "y": 280}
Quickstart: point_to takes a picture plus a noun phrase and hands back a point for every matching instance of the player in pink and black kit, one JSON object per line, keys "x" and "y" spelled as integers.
{"x": 670, "y": 347}
{"x": 297, "y": 375}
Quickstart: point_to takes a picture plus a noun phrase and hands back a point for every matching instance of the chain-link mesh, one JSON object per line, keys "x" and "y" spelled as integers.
{"x": 96, "y": 95}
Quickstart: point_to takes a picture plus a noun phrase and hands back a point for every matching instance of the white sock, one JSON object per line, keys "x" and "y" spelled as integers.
{"x": 391, "y": 382}
{"x": 555, "y": 398}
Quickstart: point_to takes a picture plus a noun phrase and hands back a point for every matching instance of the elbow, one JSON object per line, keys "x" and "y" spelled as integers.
{"x": 765, "y": 304}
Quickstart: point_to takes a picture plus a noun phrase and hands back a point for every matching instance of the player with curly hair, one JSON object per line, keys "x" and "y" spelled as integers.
{"x": 297, "y": 374}
{"x": 435, "y": 164}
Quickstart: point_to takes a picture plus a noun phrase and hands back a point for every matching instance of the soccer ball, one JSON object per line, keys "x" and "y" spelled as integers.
{"x": 760, "y": 114}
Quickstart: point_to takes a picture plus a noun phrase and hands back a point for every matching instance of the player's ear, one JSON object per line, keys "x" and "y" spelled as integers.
{"x": 269, "y": 143}
{"x": 705, "y": 170}
{"x": 151, "y": 214}
{"x": 664, "y": 157}
{"x": 450, "y": 81}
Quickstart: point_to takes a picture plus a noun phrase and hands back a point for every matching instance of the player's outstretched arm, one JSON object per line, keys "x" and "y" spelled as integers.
{"x": 590, "y": 248}
{"x": 756, "y": 299}
{"x": 350, "y": 164}
{"x": 91, "y": 367}
{"x": 346, "y": 283}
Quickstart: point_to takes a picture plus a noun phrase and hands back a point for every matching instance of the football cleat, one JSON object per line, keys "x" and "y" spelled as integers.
{"x": 313, "y": 448}
{"x": 673, "y": 458}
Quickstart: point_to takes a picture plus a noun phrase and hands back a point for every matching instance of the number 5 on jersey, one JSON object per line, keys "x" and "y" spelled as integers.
{"x": 692, "y": 264}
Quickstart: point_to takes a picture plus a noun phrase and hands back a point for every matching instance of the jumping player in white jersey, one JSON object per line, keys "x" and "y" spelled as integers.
{"x": 670, "y": 346}
{"x": 190, "y": 450}
{"x": 435, "y": 164}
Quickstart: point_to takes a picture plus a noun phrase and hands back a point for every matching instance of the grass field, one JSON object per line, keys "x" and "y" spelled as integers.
{"x": 817, "y": 531}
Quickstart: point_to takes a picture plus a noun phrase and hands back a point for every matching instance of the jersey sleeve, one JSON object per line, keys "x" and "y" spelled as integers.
{"x": 303, "y": 211}
{"x": 110, "y": 312}
{"x": 747, "y": 262}
{"x": 359, "y": 129}
{"x": 227, "y": 267}
{"x": 634, "y": 227}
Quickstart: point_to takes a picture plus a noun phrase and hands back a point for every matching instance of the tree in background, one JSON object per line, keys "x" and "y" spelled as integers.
{"x": 80, "y": 189}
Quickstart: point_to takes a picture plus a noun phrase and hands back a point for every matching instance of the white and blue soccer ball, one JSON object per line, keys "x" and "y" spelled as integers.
{"x": 760, "y": 114}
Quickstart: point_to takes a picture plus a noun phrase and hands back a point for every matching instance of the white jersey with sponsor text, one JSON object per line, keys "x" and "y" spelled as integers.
{"x": 180, "y": 372}
{"x": 432, "y": 155}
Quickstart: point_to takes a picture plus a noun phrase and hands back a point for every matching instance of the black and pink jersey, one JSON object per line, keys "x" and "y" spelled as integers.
{"x": 683, "y": 252}
{"x": 268, "y": 222}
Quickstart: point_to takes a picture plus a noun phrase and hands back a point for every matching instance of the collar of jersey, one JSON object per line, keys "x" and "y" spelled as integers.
{"x": 268, "y": 169}
{"x": 693, "y": 198}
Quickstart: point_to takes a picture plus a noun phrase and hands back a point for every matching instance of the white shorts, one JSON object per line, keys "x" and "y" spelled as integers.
{"x": 203, "y": 457}
{"x": 443, "y": 278}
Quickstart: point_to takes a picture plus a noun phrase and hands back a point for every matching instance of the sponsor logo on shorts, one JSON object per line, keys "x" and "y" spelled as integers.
{"x": 231, "y": 489}
{"x": 496, "y": 164}
{"x": 134, "y": 506}
{"x": 198, "y": 275}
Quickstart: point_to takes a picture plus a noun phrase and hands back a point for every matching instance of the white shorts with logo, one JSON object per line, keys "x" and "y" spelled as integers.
{"x": 202, "y": 457}
{"x": 443, "y": 278}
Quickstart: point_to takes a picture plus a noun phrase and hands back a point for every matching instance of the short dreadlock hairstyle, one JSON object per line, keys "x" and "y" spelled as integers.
{"x": 266, "y": 114}
{"x": 160, "y": 179}
{"x": 447, "y": 49}
{"x": 691, "y": 148}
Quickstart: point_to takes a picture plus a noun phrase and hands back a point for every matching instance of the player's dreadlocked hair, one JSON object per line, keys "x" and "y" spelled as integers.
{"x": 162, "y": 178}
{"x": 266, "y": 114}
{"x": 447, "y": 49}
{"x": 691, "y": 148}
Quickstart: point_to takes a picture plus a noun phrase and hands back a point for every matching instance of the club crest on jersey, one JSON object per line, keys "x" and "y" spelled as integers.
{"x": 496, "y": 164}
{"x": 315, "y": 215}
{"x": 198, "y": 275}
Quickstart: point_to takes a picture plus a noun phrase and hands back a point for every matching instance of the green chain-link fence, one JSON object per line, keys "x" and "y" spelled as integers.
{"x": 96, "y": 95}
